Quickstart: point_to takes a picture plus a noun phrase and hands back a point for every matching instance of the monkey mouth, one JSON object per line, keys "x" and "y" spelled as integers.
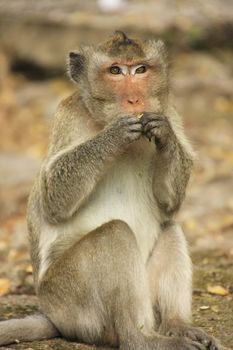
{"x": 139, "y": 108}
{"x": 134, "y": 110}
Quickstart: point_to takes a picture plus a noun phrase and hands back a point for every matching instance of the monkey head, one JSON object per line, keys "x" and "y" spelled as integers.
{"x": 121, "y": 76}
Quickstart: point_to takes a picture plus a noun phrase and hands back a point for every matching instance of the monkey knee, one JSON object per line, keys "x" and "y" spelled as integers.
{"x": 116, "y": 229}
{"x": 119, "y": 231}
{"x": 118, "y": 225}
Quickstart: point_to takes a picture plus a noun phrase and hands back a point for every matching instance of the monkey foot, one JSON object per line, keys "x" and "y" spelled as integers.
{"x": 195, "y": 334}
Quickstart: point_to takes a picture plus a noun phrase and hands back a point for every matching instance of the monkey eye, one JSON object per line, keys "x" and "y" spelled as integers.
{"x": 140, "y": 70}
{"x": 115, "y": 70}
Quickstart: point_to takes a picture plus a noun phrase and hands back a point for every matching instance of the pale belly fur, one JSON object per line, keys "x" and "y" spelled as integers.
{"x": 124, "y": 193}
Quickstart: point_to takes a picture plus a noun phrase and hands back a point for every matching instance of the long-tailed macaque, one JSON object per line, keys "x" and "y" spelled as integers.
{"x": 111, "y": 265}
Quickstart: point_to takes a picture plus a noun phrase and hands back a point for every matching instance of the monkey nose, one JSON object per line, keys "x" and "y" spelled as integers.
{"x": 133, "y": 100}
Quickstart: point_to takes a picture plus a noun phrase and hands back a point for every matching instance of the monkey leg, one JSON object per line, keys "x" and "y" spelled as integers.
{"x": 98, "y": 291}
{"x": 170, "y": 278}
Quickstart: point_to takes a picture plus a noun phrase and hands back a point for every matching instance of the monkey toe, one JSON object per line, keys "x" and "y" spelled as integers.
{"x": 208, "y": 341}
{"x": 191, "y": 345}
{"x": 181, "y": 343}
{"x": 195, "y": 335}
{"x": 196, "y": 345}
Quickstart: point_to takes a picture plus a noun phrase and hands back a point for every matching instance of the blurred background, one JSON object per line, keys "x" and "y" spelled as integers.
{"x": 35, "y": 37}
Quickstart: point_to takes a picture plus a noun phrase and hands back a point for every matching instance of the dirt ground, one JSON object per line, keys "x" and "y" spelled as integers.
{"x": 212, "y": 312}
{"x": 202, "y": 82}
{"x": 26, "y": 109}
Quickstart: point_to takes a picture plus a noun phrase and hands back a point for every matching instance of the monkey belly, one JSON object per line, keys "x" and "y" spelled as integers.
{"x": 127, "y": 204}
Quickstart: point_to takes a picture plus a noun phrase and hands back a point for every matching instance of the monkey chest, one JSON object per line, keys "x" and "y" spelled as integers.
{"x": 124, "y": 193}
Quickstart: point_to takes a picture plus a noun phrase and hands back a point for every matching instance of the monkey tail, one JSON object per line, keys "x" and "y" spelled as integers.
{"x": 35, "y": 327}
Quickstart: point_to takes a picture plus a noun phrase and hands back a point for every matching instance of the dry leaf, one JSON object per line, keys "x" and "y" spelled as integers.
{"x": 204, "y": 307}
{"x": 4, "y": 286}
{"x": 218, "y": 290}
{"x": 29, "y": 269}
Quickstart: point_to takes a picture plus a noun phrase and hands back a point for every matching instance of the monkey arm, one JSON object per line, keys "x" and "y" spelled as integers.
{"x": 71, "y": 175}
{"x": 173, "y": 159}
{"x": 172, "y": 170}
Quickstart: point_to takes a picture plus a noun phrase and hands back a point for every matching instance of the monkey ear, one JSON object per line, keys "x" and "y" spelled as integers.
{"x": 76, "y": 65}
{"x": 156, "y": 50}
{"x": 162, "y": 49}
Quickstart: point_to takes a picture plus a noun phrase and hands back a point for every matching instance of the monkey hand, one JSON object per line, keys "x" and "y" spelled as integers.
{"x": 156, "y": 127}
{"x": 125, "y": 130}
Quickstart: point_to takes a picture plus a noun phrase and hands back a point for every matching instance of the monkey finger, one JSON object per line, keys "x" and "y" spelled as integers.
{"x": 153, "y": 124}
{"x": 148, "y": 135}
{"x": 146, "y": 118}
{"x": 135, "y": 127}
{"x": 135, "y": 130}
{"x": 157, "y": 132}
{"x": 134, "y": 135}
{"x": 132, "y": 120}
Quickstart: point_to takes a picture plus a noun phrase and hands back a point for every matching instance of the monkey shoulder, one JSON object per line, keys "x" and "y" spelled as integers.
{"x": 68, "y": 110}
{"x": 68, "y": 123}
{"x": 65, "y": 128}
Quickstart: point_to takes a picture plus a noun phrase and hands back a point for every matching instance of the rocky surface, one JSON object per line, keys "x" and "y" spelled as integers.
{"x": 44, "y": 25}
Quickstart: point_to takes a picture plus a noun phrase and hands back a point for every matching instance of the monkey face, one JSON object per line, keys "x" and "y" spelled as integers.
{"x": 129, "y": 83}
{"x": 121, "y": 76}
